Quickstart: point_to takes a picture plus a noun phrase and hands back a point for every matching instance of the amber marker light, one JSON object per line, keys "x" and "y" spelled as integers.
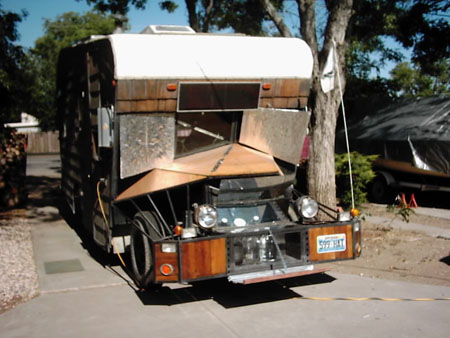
{"x": 166, "y": 269}
{"x": 177, "y": 230}
{"x": 171, "y": 87}
{"x": 354, "y": 212}
{"x": 266, "y": 86}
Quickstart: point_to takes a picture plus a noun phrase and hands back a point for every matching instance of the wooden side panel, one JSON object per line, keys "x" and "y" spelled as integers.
{"x": 314, "y": 255}
{"x": 203, "y": 258}
{"x": 94, "y": 81}
{"x": 152, "y": 95}
{"x": 285, "y": 93}
{"x": 145, "y": 96}
{"x": 165, "y": 258}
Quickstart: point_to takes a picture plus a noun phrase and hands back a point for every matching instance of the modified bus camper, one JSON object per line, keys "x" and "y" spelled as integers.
{"x": 181, "y": 149}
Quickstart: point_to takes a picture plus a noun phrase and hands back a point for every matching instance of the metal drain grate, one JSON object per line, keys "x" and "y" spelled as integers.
{"x": 69, "y": 265}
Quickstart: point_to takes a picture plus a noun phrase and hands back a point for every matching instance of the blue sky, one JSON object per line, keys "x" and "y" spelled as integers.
{"x": 31, "y": 28}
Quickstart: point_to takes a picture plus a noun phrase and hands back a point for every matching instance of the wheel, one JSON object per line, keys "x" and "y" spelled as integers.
{"x": 380, "y": 191}
{"x": 141, "y": 248}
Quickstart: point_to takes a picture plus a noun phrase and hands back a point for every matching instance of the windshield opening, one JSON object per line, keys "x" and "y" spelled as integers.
{"x": 201, "y": 131}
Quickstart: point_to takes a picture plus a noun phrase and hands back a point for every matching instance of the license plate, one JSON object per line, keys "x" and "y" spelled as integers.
{"x": 331, "y": 243}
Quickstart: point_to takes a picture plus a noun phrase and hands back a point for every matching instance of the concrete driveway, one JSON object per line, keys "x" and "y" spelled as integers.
{"x": 82, "y": 296}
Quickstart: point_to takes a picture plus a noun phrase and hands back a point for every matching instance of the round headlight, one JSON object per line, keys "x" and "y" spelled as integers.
{"x": 206, "y": 216}
{"x": 307, "y": 207}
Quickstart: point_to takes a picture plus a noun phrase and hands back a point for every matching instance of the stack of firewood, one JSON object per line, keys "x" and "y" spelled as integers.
{"x": 12, "y": 168}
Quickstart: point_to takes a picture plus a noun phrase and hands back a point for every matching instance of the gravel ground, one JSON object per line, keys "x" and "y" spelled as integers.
{"x": 18, "y": 277}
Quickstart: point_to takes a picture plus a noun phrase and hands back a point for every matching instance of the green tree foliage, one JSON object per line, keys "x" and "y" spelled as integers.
{"x": 410, "y": 81}
{"x": 424, "y": 26}
{"x": 421, "y": 25}
{"x": 377, "y": 27}
{"x": 13, "y": 76}
{"x": 62, "y": 32}
{"x": 116, "y": 6}
{"x": 362, "y": 174}
{"x": 168, "y": 6}
{"x": 242, "y": 16}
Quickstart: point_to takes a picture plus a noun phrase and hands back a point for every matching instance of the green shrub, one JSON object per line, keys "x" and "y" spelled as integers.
{"x": 362, "y": 175}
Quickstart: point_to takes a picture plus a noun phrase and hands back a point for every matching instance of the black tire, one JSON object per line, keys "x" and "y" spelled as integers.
{"x": 141, "y": 254}
{"x": 380, "y": 190}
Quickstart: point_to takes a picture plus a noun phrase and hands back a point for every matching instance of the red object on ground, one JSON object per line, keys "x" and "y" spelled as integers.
{"x": 412, "y": 202}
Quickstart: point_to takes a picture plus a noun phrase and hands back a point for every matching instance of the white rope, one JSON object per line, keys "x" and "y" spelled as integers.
{"x": 345, "y": 124}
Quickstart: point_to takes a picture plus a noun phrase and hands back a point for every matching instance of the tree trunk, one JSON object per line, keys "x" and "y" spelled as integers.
{"x": 276, "y": 18}
{"x": 192, "y": 13}
{"x": 324, "y": 106}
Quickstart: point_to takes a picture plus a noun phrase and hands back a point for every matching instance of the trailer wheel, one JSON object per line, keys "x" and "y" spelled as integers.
{"x": 380, "y": 190}
{"x": 141, "y": 248}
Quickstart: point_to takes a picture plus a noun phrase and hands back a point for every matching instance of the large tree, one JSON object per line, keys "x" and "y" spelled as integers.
{"x": 359, "y": 27}
{"x": 325, "y": 106}
{"x": 14, "y": 76}
{"x": 354, "y": 29}
{"x": 59, "y": 33}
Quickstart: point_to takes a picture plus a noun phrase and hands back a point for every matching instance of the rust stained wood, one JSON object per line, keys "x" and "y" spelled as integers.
{"x": 139, "y": 89}
{"x": 281, "y": 102}
{"x": 290, "y": 88}
{"x": 123, "y": 106}
{"x": 144, "y": 90}
{"x": 285, "y": 276}
{"x": 94, "y": 82}
{"x": 148, "y": 95}
{"x": 201, "y": 259}
{"x": 165, "y": 258}
{"x": 303, "y": 101}
{"x": 267, "y": 93}
{"x": 122, "y": 91}
{"x": 169, "y": 105}
{"x": 315, "y": 232}
{"x": 157, "y": 180}
{"x": 223, "y": 161}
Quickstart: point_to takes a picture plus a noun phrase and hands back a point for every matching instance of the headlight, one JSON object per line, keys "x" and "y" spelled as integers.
{"x": 306, "y": 207}
{"x": 205, "y": 216}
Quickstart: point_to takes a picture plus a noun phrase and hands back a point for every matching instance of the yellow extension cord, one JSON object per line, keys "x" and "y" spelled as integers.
{"x": 106, "y": 222}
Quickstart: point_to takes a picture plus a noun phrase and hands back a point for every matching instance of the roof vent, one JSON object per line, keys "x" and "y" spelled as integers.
{"x": 167, "y": 29}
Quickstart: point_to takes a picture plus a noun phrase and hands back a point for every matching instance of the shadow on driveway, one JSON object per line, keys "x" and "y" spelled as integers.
{"x": 231, "y": 295}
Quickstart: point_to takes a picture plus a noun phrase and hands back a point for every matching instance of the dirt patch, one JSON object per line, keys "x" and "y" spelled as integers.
{"x": 399, "y": 254}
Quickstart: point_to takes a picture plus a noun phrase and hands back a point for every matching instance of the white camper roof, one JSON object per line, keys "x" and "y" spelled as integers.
{"x": 203, "y": 56}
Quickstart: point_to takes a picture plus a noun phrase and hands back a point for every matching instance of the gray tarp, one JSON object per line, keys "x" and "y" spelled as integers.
{"x": 410, "y": 130}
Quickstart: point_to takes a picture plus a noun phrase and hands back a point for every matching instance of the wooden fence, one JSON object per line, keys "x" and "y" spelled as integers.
{"x": 43, "y": 142}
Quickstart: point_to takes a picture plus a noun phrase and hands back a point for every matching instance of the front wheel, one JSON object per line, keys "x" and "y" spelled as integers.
{"x": 141, "y": 236}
